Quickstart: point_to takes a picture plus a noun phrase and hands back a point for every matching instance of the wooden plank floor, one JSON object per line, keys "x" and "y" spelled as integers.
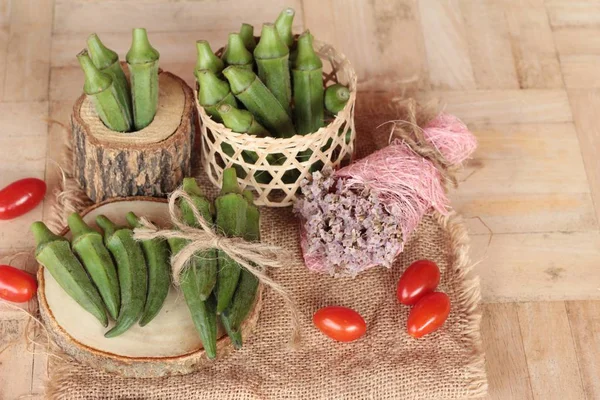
{"x": 525, "y": 76}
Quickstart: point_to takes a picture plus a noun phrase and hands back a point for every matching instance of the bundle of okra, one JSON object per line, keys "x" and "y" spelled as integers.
{"x": 113, "y": 274}
{"x": 272, "y": 101}
{"x": 122, "y": 105}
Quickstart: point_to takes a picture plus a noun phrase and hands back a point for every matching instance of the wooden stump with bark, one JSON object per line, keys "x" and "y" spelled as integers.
{"x": 149, "y": 162}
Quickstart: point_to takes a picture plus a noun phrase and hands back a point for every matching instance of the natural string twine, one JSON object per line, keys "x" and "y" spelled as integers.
{"x": 411, "y": 132}
{"x": 255, "y": 257}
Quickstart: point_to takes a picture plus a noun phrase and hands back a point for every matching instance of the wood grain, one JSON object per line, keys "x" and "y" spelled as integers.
{"x": 181, "y": 16}
{"x": 581, "y": 71}
{"x": 567, "y": 13}
{"x": 4, "y": 35}
{"x": 506, "y": 106}
{"x": 447, "y": 54}
{"x": 585, "y": 105}
{"x": 535, "y": 180}
{"x": 584, "y": 317}
{"x": 28, "y": 53}
{"x": 489, "y": 44}
{"x": 506, "y": 364}
{"x": 532, "y": 43}
{"x": 537, "y": 266}
{"x": 550, "y": 351}
{"x": 577, "y": 40}
{"x": 377, "y": 27}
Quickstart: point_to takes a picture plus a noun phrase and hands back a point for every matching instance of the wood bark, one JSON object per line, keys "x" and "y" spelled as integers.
{"x": 150, "y": 162}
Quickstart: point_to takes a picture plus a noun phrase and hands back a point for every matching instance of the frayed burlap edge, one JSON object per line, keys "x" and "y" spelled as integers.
{"x": 470, "y": 293}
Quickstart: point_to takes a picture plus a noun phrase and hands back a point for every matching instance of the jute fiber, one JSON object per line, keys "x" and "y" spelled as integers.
{"x": 384, "y": 364}
{"x": 330, "y": 145}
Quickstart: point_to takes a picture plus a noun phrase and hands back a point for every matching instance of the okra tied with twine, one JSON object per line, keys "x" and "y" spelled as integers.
{"x": 142, "y": 60}
{"x": 254, "y": 257}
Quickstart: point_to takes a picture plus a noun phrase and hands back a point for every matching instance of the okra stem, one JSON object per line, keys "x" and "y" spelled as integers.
{"x": 142, "y": 60}
{"x": 336, "y": 98}
{"x": 230, "y": 183}
{"x": 283, "y": 23}
{"x": 272, "y": 59}
{"x": 212, "y": 92}
{"x": 236, "y": 53}
{"x": 247, "y": 35}
{"x": 207, "y": 59}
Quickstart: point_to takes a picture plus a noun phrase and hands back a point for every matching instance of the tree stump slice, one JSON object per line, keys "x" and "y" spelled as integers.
{"x": 168, "y": 345}
{"x": 149, "y": 162}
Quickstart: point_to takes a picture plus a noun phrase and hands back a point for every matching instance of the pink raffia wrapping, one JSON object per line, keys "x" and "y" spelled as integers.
{"x": 451, "y": 137}
{"x": 406, "y": 184}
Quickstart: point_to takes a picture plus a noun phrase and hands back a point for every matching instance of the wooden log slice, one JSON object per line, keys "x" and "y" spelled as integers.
{"x": 168, "y": 345}
{"x": 149, "y": 162}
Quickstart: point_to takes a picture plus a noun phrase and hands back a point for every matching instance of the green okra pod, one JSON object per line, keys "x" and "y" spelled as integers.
{"x": 206, "y": 59}
{"x": 336, "y": 98}
{"x": 203, "y": 313}
{"x": 213, "y": 92}
{"x": 54, "y": 253}
{"x": 272, "y": 59}
{"x": 307, "y": 75}
{"x": 234, "y": 335}
{"x": 99, "y": 87}
{"x": 88, "y": 244}
{"x": 242, "y": 121}
{"x": 236, "y": 53}
{"x": 142, "y": 60}
{"x": 251, "y": 91}
{"x": 107, "y": 61}
{"x": 245, "y": 293}
{"x": 231, "y": 218}
{"x": 247, "y": 35}
{"x": 132, "y": 271}
{"x": 283, "y": 23}
{"x": 156, "y": 253}
{"x": 206, "y": 261}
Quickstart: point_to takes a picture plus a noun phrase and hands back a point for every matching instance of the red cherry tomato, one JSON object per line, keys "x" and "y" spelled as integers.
{"x": 340, "y": 323}
{"x": 428, "y": 314}
{"x": 420, "y": 278}
{"x": 16, "y": 285}
{"x": 21, "y": 197}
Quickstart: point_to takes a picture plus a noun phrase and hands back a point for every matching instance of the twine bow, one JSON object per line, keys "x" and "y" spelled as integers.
{"x": 255, "y": 257}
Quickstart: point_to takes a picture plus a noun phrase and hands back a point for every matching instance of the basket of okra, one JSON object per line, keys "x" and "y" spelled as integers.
{"x": 276, "y": 108}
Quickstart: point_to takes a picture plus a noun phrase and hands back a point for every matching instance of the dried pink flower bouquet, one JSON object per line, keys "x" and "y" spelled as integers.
{"x": 362, "y": 215}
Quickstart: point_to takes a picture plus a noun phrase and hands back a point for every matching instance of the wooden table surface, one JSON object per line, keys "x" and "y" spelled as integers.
{"x": 524, "y": 75}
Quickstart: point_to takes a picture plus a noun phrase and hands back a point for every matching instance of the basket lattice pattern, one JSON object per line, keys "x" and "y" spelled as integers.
{"x": 296, "y": 157}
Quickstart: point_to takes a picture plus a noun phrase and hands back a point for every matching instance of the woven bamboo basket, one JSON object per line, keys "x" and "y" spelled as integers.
{"x": 332, "y": 145}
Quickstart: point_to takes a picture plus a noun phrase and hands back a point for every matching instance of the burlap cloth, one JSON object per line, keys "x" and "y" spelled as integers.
{"x": 384, "y": 364}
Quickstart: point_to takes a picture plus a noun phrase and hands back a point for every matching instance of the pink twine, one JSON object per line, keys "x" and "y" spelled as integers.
{"x": 451, "y": 137}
